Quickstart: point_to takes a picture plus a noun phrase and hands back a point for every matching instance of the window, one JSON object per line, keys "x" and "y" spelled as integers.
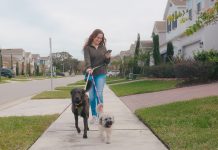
{"x": 199, "y": 7}
{"x": 190, "y": 14}
{"x": 168, "y": 26}
{"x": 211, "y": 3}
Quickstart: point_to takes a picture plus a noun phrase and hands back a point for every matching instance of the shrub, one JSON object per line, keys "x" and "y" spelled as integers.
{"x": 193, "y": 70}
{"x": 206, "y": 56}
{"x": 160, "y": 71}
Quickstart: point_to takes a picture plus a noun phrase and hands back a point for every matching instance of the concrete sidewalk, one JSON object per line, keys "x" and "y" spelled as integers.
{"x": 36, "y": 107}
{"x": 128, "y": 132}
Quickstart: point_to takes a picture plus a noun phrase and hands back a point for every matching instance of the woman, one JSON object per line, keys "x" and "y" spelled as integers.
{"x": 95, "y": 54}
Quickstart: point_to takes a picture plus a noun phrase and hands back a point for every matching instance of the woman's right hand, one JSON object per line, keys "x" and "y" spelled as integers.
{"x": 89, "y": 70}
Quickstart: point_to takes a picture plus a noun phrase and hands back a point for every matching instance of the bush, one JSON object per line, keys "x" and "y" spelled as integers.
{"x": 193, "y": 70}
{"x": 207, "y": 56}
{"x": 185, "y": 69}
{"x": 160, "y": 71}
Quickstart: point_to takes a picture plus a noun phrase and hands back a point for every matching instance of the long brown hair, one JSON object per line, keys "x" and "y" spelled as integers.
{"x": 93, "y": 35}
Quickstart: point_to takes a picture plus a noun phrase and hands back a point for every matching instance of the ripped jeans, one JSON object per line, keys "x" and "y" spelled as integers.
{"x": 93, "y": 98}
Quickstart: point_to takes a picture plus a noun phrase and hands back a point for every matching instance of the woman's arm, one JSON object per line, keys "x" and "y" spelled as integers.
{"x": 88, "y": 67}
{"x": 107, "y": 57}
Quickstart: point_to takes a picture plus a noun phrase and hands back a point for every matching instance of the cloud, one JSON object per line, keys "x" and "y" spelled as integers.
{"x": 29, "y": 24}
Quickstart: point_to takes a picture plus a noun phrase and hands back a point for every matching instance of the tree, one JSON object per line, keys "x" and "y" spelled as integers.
{"x": 29, "y": 69}
{"x": 64, "y": 62}
{"x": 12, "y": 63}
{"x": 156, "y": 52}
{"x": 37, "y": 70}
{"x": 17, "y": 68}
{"x": 170, "y": 52}
{"x": 22, "y": 71}
{"x": 136, "y": 68}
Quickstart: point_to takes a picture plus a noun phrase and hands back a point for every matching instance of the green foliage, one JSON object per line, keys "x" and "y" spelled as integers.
{"x": 37, "y": 70}
{"x": 189, "y": 70}
{"x": 210, "y": 16}
{"x": 160, "y": 71}
{"x": 206, "y": 56}
{"x": 156, "y": 51}
{"x": 136, "y": 68}
{"x": 22, "y": 71}
{"x": 170, "y": 51}
{"x": 17, "y": 69}
{"x": 65, "y": 62}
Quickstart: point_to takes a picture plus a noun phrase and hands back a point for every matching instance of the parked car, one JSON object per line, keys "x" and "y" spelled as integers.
{"x": 113, "y": 73}
{"x": 60, "y": 74}
{"x": 5, "y": 72}
{"x": 49, "y": 74}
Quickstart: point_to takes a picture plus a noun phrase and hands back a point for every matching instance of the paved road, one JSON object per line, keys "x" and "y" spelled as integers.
{"x": 10, "y": 92}
{"x": 163, "y": 97}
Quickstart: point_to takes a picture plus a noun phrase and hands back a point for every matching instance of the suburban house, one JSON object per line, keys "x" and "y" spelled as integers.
{"x": 14, "y": 56}
{"x": 44, "y": 64}
{"x": 185, "y": 46}
{"x": 144, "y": 46}
{"x": 24, "y": 60}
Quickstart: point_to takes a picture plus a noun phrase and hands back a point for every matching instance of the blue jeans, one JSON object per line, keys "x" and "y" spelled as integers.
{"x": 99, "y": 82}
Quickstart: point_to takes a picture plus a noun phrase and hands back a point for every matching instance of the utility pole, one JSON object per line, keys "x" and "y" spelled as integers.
{"x": 11, "y": 61}
{"x": 0, "y": 64}
{"x": 51, "y": 66}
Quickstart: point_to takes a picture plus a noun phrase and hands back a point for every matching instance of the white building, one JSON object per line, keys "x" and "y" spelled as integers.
{"x": 184, "y": 46}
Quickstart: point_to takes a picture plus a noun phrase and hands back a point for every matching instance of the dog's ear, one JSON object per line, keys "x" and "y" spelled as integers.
{"x": 113, "y": 119}
{"x": 83, "y": 91}
{"x": 72, "y": 92}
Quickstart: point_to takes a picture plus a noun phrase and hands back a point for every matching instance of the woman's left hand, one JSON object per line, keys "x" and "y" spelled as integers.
{"x": 108, "y": 55}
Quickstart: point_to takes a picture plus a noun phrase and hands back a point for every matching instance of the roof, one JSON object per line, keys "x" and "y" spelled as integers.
{"x": 44, "y": 58}
{"x": 13, "y": 50}
{"x": 179, "y": 2}
{"x": 146, "y": 43}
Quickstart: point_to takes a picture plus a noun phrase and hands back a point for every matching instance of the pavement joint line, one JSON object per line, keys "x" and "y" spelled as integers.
{"x": 98, "y": 130}
{"x": 14, "y": 103}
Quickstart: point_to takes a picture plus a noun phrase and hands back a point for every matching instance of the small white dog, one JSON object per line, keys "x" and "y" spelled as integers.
{"x": 106, "y": 122}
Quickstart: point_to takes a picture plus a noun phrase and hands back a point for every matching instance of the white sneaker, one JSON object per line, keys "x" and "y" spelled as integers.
{"x": 94, "y": 120}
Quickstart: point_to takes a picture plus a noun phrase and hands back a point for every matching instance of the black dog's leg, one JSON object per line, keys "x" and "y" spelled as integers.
{"x": 76, "y": 123}
{"x": 87, "y": 127}
{"x": 85, "y": 121}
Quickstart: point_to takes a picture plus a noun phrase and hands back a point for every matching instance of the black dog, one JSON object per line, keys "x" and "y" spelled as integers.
{"x": 80, "y": 107}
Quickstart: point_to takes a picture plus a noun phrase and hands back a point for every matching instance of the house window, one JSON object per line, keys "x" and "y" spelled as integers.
{"x": 211, "y": 2}
{"x": 168, "y": 26}
{"x": 190, "y": 14}
{"x": 171, "y": 4}
{"x": 199, "y": 7}
{"x": 174, "y": 24}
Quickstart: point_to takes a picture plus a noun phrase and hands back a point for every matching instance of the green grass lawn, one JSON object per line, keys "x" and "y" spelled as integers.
{"x": 59, "y": 94}
{"x": 81, "y": 82}
{"x": 69, "y": 87}
{"x": 108, "y": 80}
{"x": 145, "y": 86}
{"x": 189, "y": 125}
{"x": 3, "y": 80}
{"x": 19, "y": 133}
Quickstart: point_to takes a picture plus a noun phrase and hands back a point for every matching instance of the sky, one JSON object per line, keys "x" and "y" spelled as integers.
{"x": 29, "y": 24}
